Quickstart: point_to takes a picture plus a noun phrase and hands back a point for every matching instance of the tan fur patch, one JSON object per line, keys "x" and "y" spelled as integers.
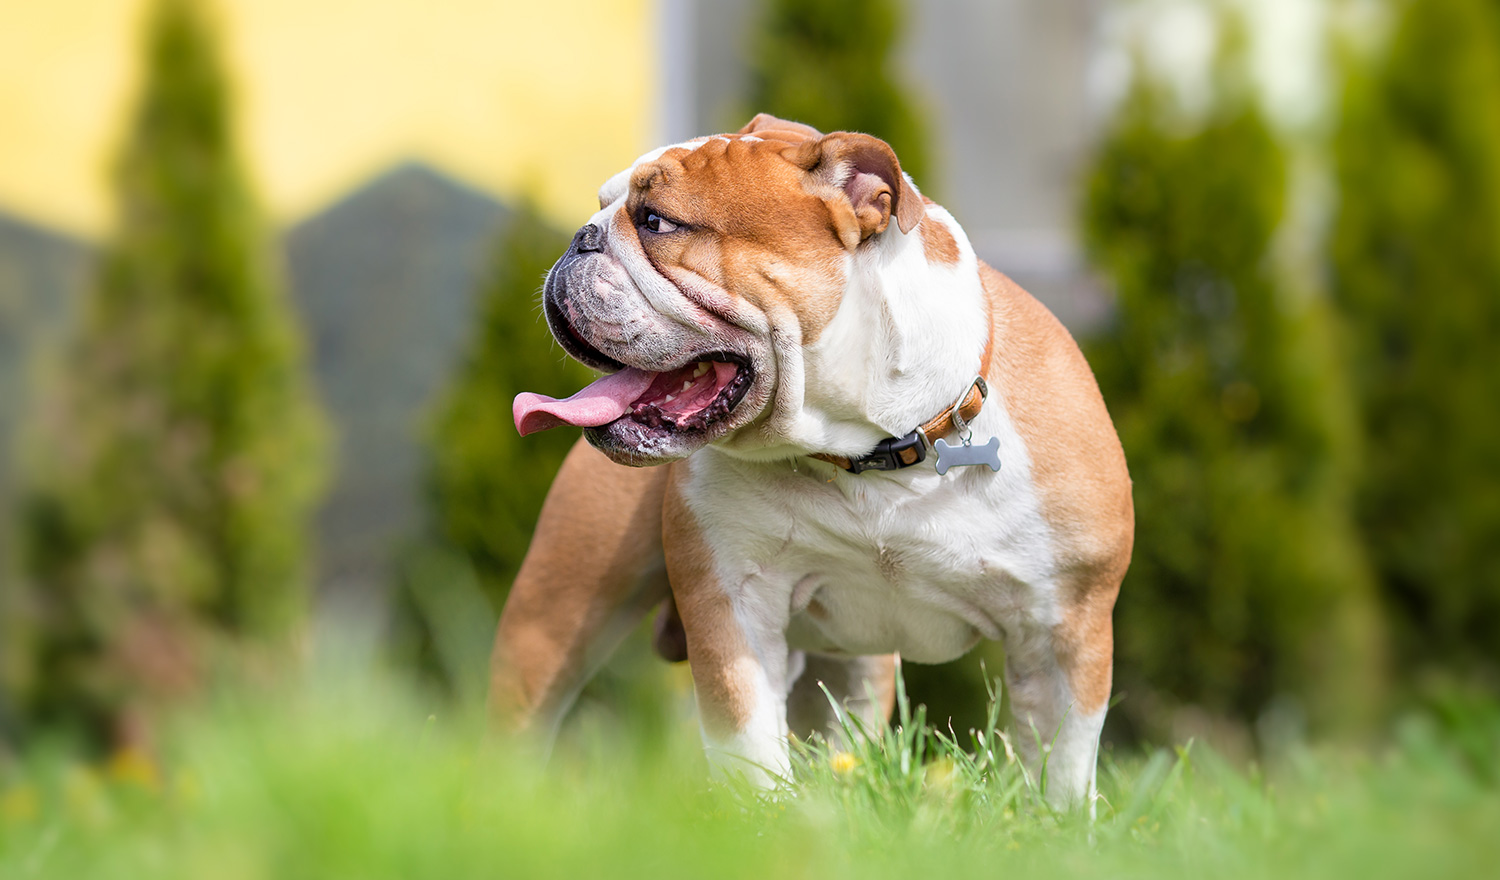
{"x": 938, "y": 243}
{"x": 717, "y": 649}
{"x": 1079, "y": 470}
{"x": 748, "y": 224}
{"x": 1084, "y": 645}
{"x": 765, "y": 122}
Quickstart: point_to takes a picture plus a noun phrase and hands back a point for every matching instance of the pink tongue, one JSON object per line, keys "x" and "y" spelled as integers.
{"x": 598, "y": 404}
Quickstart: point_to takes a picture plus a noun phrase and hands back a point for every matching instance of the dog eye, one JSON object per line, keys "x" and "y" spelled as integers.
{"x": 659, "y": 224}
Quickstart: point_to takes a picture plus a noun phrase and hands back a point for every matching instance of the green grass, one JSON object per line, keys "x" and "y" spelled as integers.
{"x": 343, "y": 777}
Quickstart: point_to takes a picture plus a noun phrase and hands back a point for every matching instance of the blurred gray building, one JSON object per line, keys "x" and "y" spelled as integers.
{"x": 1006, "y": 87}
{"x": 387, "y": 282}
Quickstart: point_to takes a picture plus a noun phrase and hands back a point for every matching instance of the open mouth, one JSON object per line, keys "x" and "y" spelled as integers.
{"x": 691, "y": 398}
{"x": 686, "y": 401}
{"x": 694, "y": 397}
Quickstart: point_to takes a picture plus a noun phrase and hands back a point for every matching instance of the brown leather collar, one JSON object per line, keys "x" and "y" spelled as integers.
{"x": 895, "y": 453}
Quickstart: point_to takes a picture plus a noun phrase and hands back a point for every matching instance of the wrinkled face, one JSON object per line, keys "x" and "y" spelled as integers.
{"x": 701, "y": 260}
{"x": 708, "y": 269}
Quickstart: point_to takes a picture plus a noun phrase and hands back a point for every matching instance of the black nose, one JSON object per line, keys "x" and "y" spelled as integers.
{"x": 588, "y": 240}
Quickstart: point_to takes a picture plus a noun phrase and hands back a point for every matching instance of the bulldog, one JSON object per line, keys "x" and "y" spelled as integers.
{"x": 827, "y": 434}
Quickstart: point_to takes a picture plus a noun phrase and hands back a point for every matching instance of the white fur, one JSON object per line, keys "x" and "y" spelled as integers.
{"x": 758, "y": 752}
{"x": 905, "y": 343}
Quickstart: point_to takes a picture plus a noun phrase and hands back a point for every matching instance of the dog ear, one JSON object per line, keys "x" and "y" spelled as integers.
{"x": 767, "y": 122}
{"x": 866, "y": 170}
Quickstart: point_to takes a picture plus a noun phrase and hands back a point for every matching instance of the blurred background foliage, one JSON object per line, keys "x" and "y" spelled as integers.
{"x": 1414, "y": 269}
{"x": 832, "y": 66}
{"x": 1234, "y": 412}
{"x": 1305, "y": 395}
{"x": 173, "y": 461}
{"x": 1315, "y": 487}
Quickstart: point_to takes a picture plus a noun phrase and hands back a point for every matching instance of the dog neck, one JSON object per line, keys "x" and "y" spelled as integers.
{"x": 908, "y": 338}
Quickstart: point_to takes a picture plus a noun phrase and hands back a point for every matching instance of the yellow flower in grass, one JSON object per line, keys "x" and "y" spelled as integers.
{"x": 939, "y": 774}
{"x": 19, "y": 804}
{"x": 843, "y": 763}
{"x": 133, "y": 767}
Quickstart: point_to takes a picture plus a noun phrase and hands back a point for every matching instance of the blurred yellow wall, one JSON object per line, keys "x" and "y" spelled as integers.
{"x": 543, "y": 98}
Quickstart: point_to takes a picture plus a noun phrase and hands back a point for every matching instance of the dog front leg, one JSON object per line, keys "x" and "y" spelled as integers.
{"x": 739, "y": 668}
{"x": 741, "y": 689}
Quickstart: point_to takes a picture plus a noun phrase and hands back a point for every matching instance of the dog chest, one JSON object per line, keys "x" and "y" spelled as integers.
{"x": 924, "y": 565}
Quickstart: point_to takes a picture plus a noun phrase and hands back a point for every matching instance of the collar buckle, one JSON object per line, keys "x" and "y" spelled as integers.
{"x": 892, "y": 454}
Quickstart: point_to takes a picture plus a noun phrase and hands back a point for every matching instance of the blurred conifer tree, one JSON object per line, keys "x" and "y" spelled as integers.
{"x": 485, "y": 483}
{"x": 1415, "y": 261}
{"x": 1248, "y": 580}
{"x": 174, "y": 464}
{"x": 827, "y": 63}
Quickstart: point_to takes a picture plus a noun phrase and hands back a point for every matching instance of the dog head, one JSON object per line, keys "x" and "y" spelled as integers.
{"x": 707, "y": 271}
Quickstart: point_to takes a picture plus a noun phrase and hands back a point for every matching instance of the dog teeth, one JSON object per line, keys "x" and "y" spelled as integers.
{"x": 670, "y": 398}
{"x": 687, "y": 384}
{"x": 702, "y": 368}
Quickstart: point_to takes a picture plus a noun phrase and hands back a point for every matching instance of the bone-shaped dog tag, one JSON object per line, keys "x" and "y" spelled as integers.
{"x": 967, "y": 454}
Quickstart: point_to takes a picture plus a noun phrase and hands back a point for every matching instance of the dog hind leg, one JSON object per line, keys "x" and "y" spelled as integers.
{"x": 1059, "y": 680}
{"x": 593, "y": 571}
{"x": 865, "y": 687}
